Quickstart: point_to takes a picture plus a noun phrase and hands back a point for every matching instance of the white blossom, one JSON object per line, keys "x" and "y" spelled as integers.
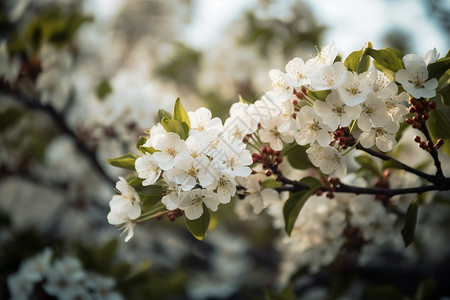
{"x": 373, "y": 113}
{"x": 169, "y": 145}
{"x": 355, "y": 88}
{"x": 328, "y": 77}
{"x": 414, "y": 78}
{"x": 296, "y": 69}
{"x": 334, "y": 112}
{"x": 147, "y": 168}
{"x": 192, "y": 202}
{"x": 311, "y": 128}
{"x": 327, "y": 159}
{"x": 383, "y": 137}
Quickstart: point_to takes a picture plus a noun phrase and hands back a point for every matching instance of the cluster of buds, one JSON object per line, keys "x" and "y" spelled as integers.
{"x": 329, "y": 185}
{"x": 344, "y": 138}
{"x": 428, "y": 144}
{"x": 420, "y": 108}
{"x": 383, "y": 183}
{"x": 172, "y": 215}
{"x": 269, "y": 158}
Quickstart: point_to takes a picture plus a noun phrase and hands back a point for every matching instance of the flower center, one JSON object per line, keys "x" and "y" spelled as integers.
{"x": 171, "y": 151}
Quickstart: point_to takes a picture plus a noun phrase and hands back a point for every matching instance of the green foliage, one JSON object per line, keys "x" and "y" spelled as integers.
{"x": 270, "y": 183}
{"x": 295, "y": 203}
{"x": 298, "y": 158}
{"x": 387, "y": 60}
{"x": 125, "y": 161}
{"x": 103, "y": 89}
{"x": 319, "y": 95}
{"x": 439, "y": 67}
{"x": 53, "y": 26}
{"x": 178, "y": 127}
{"x": 199, "y": 226}
{"x": 164, "y": 113}
{"x": 444, "y": 88}
{"x": 409, "y": 228}
{"x": 358, "y": 61}
{"x": 179, "y": 123}
{"x": 180, "y": 114}
{"x": 439, "y": 127}
{"x": 150, "y": 195}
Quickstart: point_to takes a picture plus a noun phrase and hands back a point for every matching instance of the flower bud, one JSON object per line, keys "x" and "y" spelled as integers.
{"x": 433, "y": 105}
{"x": 417, "y": 139}
{"x": 268, "y": 173}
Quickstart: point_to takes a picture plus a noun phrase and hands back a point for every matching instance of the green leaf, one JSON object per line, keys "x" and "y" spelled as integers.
{"x": 270, "y": 183}
{"x": 368, "y": 164}
{"x": 295, "y": 203}
{"x": 438, "y": 68}
{"x": 319, "y": 95}
{"x": 364, "y": 62}
{"x": 298, "y": 158}
{"x": 103, "y": 89}
{"x": 444, "y": 88}
{"x": 286, "y": 294}
{"x": 180, "y": 114}
{"x": 439, "y": 127}
{"x": 199, "y": 226}
{"x": 387, "y": 60}
{"x": 164, "y": 113}
{"x": 176, "y": 126}
{"x": 352, "y": 61}
{"x": 125, "y": 161}
{"x": 426, "y": 289}
{"x": 410, "y": 222}
{"x": 358, "y": 61}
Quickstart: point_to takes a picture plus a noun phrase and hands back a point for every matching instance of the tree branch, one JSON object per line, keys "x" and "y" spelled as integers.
{"x": 62, "y": 124}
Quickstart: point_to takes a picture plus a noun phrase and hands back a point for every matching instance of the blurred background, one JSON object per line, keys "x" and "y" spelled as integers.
{"x": 80, "y": 81}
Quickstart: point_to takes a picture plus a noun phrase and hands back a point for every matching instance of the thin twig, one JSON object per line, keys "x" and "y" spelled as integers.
{"x": 62, "y": 124}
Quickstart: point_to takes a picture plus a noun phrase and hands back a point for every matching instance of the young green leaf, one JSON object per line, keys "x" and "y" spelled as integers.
{"x": 125, "y": 161}
{"x": 199, "y": 226}
{"x": 439, "y": 126}
{"x": 387, "y": 59}
{"x": 409, "y": 228}
{"x": 319, "y": 95}
{"x": 438, "y": 68}
{"x": 164, "y": 113}
{"x": 270, "y": 183}
{"x": 178, "y": 127}
{"x": 180, "y": 114}
{"x": 298, "y": 158}
{"x": 295, "y": 203}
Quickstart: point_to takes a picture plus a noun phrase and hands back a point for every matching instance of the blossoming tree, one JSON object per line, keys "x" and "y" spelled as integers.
{"x": 321, "y": 116}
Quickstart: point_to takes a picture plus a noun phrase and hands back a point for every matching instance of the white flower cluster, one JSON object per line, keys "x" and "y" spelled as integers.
{"x": 325, "y": 225}
{"x": 199, "y": 170}
{"x": 369, "y": 98}
{"x": 63, "y": 278}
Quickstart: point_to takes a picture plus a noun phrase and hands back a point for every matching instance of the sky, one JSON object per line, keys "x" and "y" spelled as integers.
{"x": 351, "y": 23}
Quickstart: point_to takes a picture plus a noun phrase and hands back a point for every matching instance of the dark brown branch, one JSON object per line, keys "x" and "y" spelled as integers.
{"x": 433, "y": 150}
{"x": 407, "y": 168}
{"x": 62, "y": 124}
